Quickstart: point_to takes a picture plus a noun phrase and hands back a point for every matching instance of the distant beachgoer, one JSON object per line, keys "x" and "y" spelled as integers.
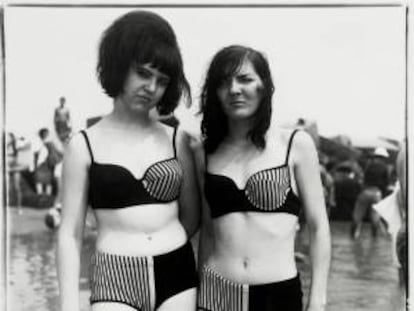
{"x": 363, "y": 208}
{"x": 347, "y": 188}
{"x": 62, "y": 120}
{"x": 14, "y": 168}
{"x": 376, "y": 173}
{"x": 376, "y": 183}
{"x": 46, "y": 157}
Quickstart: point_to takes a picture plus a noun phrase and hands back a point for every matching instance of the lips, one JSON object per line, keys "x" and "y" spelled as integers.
{"x": 237, "y": 103}
{"x": 144, "y": 98}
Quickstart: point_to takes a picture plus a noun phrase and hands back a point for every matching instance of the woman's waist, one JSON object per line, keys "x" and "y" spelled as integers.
{"x": 254, "y": 265}
{"x": 254, "y": 270}
{"x": 145, "y": 218}
{"x": 253, "y": 241}
{"x": 140, "y": 240}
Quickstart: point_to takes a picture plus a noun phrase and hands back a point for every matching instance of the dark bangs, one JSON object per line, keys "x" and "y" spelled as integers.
{"x": 165, "y": 57}
{"x": 161, "y": 56}
{"x": 226, "y": 65}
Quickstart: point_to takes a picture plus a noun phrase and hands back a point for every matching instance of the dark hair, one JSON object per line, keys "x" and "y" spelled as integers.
{"x": 137, "y": 38}
{"x": 226, "y": 63}
{"x": 344, "y": 169}
{"x": 43, "y": 132}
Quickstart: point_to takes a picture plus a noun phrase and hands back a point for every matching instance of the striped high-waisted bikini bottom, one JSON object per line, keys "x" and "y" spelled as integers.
{"x": 217, "y": 293}
{"x": 143, "y": 283}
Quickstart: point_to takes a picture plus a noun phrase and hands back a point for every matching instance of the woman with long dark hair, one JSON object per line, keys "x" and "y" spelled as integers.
{"x": 257, "y": 180}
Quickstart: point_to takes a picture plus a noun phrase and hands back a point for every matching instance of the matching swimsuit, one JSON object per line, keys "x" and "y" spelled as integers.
{"x": 133, "y": 280}
{"x": 267, "y": 191}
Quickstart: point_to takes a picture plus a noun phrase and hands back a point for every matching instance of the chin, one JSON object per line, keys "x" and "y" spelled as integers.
{"x": 141, "y": 108}
{"x": 241, "y": 116}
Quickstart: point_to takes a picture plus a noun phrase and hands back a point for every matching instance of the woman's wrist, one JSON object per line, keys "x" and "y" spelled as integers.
{"x": 316, "y": 305}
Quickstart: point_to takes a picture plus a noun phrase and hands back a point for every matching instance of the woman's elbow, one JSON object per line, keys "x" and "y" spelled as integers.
{"x": 67, "y": 234}
{"x": 191, "y": 226}
{"x": 319, "y": 224}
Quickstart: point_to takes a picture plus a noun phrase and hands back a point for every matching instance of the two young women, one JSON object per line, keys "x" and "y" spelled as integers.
{"x": 139, "y": 176}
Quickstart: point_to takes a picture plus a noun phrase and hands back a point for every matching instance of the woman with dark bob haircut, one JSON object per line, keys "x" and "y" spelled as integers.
{"x": 139, "y": 38}
{"x": 138, "y": 176}
{"x": 257, "y": 180}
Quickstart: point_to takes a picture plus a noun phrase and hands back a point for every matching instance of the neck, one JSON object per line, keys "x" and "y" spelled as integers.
{"x": 128, "y": 118}
{"x": 237, "y": 132}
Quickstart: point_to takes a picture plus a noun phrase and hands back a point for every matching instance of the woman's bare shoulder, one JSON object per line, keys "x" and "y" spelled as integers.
{"x": 294, "y": 135}
{"x": 280, "y": 135}
{"x": 296, "y": 142}
{"x": 77, "y": 148}
{"x": 77, "y": 140}
{"x": 192, "y": 139}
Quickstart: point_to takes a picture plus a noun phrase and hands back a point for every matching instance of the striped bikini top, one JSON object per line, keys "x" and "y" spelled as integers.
{"x": 268, "y": 190}
{"x": 112, "y": 186}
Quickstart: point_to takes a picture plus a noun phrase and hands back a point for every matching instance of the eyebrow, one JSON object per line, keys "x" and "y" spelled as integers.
{"x": 154, "y": 71}
{"x": 164, "y": 76}
{"x": 243, "y": 74}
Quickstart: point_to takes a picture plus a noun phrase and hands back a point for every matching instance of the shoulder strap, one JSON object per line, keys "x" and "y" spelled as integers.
{"x": 88, "y": 144}
{"x": 173, "y": 141}
{"x": 290, "y": 144}
{"x": 205, "y": 157}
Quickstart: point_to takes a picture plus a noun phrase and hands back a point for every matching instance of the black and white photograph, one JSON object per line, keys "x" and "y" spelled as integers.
{"x": 206, "y": 155}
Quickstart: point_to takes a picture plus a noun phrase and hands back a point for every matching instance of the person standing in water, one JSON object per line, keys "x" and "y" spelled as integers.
{"x": 137, "y": 175}
{"x": 256, "y": 181}
{"x": 62, "y": 121}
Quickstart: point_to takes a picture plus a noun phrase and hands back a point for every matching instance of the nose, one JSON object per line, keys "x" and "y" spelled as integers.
{"x": 151, "y": 85}
{"x": 234, "y": 86}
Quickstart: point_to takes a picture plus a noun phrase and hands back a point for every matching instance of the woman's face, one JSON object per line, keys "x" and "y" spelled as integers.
{"x": 144, "y": 87}
{"x": 240, "y": 95}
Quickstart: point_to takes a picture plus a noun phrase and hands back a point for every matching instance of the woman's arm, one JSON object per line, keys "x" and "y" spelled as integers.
{"x": 74, "y": 206}
{"x": 189, "y": 199}
{"x": 205, "y": 237}
{"x": 307, "y": 176}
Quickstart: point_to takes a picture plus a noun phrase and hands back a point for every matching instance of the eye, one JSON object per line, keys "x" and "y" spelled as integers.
{"x": 142, "y": 72}
{"x": 225, "y": 82}
{"x": 164, "y": 81}
{"x": 244, "y": 78}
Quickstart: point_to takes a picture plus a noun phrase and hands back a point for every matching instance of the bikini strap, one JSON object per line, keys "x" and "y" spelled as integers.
{"x": 174, "y": 139}
{"x": 290, "y": 145}
{"x": 88, "y": 144}
{"x": 205, "y": 158}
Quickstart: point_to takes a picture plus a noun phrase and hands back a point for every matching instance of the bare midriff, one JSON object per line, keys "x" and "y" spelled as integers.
{"x": 143, "y": 230}
{"x": 254, "y": 248}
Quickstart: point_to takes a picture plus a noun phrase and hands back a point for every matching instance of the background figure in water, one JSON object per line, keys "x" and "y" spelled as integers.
{"x": 376, "y": 187}
{"x": 62, "y": 121}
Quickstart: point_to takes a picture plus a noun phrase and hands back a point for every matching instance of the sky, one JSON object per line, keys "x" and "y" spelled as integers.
{"x": 342, "y": 67}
